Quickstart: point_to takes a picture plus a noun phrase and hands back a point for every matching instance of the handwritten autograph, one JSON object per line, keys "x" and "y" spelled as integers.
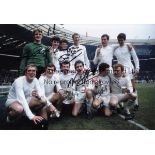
{"x": 72, "y": 53}
{"x": 84, "y": 79}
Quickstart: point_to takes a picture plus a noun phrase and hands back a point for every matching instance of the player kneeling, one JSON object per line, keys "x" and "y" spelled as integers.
{"x": 50, "y": 85}
{"x": 82, "y": 86}
{"x": 103, "y": 99}
{"x": 26, "y": 97}
{"x": 122, "y": 89}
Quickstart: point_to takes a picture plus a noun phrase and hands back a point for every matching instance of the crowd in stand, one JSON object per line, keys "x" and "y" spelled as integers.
{"x": 146, "y": 77}
{"x": 7, "y": 77}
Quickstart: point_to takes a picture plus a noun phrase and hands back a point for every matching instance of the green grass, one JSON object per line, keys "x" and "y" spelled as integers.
{"x": 145, "y": 116}
{"x": 97, "y": 123}
{"x": 146, "y": 113}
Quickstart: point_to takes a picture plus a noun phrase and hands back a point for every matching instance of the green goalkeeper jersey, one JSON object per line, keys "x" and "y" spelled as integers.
{"x": 34, "y": 53}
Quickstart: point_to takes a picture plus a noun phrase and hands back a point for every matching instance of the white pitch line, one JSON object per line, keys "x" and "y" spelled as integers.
{"x": 135, "y": 123}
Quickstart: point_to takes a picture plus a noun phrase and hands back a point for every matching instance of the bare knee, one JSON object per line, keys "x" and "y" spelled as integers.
{"x": 76, "y": 109}
{"x": 74, "y": 113}
{"x": 43, "y": 102}
{"x": 15, "y": 110}
{"x": 107, "y": 112}
{"x": 56, "y": 97}
{"x": 113, "y": 101}
{"x": 19, "y": 109}
{"x": 96, "y": 103}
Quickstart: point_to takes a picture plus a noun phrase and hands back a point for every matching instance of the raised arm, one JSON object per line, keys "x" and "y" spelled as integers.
{"x": 96, "y": 58}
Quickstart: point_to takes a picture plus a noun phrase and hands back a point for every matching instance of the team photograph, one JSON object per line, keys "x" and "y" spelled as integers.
{"x": 53, "y": 78}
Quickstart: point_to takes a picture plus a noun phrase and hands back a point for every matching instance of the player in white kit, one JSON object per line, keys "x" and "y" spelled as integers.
{"x": 105, "y": 53}
{"x": 121, "y": 88}
{"x": 78, "y": 52}
{"x": 24, "y": 95}
{"x": 64, "y": 56}
{"x": 50, "y": 85}
{"x": 66, "y": 82}
{"x": 123, "y": 56}
{"x": 55, "y": 53}
{"x": 82, "y": 86}
{"x": 102, "y": 90}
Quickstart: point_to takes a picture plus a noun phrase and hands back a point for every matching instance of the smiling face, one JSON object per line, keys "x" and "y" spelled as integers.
{"x": 50, "y": 71}
{"x": 79, "y": 68}
{"x": 38, "y": 36}
{"x": 64, "y": 46}
{"x": 65, "y": 68}
{"x": 117, "y": 71}
{"x": 30, "y": 73}
{"x": 55, "y": 44}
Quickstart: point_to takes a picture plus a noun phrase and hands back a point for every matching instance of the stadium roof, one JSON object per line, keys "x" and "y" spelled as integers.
{"x": 51, "y": 30}
{"x": 13, "y": 36}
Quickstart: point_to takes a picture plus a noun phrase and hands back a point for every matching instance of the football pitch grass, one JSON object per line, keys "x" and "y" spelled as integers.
{"x": 144, "y": 116}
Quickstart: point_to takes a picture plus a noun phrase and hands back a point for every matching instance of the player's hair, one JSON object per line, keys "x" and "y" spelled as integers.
{"x": 75, "y": 34}
{"x": 28, "y": 66}
{"x": 36, "y": 30}
{"x": 65, "y": 62}
{"x": 103, "y": 66}
{"x": 115, "y": 66}
{"x": 50, "y": 65}
{"x": 78, "y": 62}
{"x": 121, "y": 36}
{"x": 105, "y": 35}
{"x": 55, "y": 38}
{"x": 64, "y": 41}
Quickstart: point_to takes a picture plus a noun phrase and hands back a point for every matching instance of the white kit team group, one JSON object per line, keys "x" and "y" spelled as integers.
{"x": 58, "y": 75}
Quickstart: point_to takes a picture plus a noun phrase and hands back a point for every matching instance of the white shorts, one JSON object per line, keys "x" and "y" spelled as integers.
{"x": 129, "y": 72}
{"x": 105, "y": 99}
{"x": 120, "y": 97}
{"x": 79, "y": 97}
